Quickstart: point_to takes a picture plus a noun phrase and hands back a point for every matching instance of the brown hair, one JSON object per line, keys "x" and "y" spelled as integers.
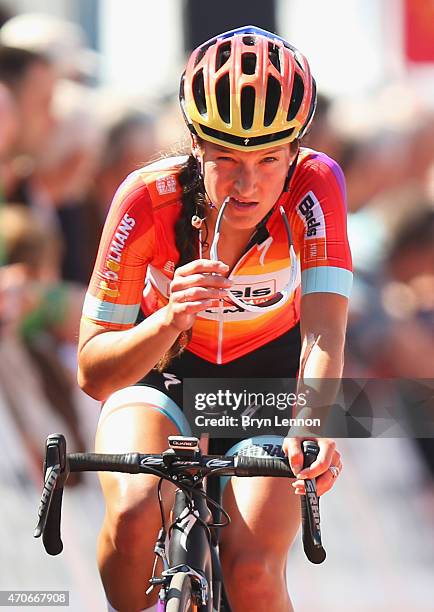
{"x": 193, "y": 203}
{"x": 25, "y": 239}
{"x": 15, "y": 63}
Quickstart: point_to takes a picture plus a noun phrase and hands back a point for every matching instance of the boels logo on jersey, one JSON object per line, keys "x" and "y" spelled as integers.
{"x": 252, "y": 293}
{"x": 312, "y": 215}
{"x": 256, "y": 290}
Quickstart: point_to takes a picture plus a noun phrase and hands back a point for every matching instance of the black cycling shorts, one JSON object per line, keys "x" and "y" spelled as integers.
{"x": 279, "y": 358}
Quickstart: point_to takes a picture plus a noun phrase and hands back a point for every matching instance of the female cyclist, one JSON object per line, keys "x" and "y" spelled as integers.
{"x": 209, "y": 248}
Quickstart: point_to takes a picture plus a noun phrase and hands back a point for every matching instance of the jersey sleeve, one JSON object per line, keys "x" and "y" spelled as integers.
{"x": 319, "y": 222}
{"x": 126, "y": 248}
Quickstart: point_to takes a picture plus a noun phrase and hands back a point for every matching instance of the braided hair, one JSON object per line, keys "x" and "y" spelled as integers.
{"x": 193, "y": 203}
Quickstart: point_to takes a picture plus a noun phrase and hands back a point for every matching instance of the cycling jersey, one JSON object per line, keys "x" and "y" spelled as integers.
{"x": 137, "y": 257}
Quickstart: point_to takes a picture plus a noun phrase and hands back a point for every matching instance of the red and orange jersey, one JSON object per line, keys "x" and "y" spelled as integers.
{"x": 137, "y": 257}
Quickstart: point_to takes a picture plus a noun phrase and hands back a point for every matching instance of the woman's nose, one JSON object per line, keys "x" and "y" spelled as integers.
{"x": 245, "y": 183}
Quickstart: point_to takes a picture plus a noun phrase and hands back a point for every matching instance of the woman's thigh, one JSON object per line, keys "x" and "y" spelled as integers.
{"x": 265, "y": 512}
{"x": 137, "y": 419}
{"x": 265, "y": 518}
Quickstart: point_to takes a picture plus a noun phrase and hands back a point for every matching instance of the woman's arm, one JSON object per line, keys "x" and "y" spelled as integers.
{"x": 110, "y": 360}
{"x": 323, "y": 324}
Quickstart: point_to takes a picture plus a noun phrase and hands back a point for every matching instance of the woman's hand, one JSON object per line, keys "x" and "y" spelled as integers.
{"x": 194, "y": 287}
{"x": 325, "y": 468}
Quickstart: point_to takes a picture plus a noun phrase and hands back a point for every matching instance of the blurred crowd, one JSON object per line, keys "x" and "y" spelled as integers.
{"x": 67, "y": 142}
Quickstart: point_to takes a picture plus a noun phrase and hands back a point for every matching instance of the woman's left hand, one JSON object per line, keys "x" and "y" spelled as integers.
{"x": 325, "y": 468}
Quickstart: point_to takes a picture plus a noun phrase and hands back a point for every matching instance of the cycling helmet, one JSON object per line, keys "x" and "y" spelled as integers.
{"x": 247, "y": 89}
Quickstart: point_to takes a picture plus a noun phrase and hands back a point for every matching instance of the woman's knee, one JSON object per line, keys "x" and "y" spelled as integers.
{"x": 133, "y": 517}
{"x": 132, "y": 512}
{"x": 252, "y": 574}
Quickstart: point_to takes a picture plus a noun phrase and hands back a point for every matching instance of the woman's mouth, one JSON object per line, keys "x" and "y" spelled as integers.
{"x": 242, "y": 204}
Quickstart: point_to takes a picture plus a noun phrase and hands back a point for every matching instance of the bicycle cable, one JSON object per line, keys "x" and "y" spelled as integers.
{"x": 192, "y": 510}
{"x": 191, "y": 489}
{"x": 160, "y": 503}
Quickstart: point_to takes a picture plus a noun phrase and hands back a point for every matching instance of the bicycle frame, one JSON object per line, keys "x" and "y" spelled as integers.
{"x": 192, "y": 549}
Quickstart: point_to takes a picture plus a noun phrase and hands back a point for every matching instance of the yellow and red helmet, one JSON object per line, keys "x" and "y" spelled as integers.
{"x": 247, "y": 89}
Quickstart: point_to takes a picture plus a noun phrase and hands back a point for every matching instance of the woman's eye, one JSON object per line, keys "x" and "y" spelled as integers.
{"x": 269, "y": 160}
{"x": 224, "y": 158}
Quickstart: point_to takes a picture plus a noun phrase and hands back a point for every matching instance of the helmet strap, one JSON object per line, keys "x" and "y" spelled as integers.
{"x": 290, "y": 174}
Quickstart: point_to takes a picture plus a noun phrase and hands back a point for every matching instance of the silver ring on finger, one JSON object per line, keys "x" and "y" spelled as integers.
{"x": 334, "y": 471}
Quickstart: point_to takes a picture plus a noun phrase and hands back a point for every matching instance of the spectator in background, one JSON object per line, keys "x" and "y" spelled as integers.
{"x": 56, "y": 178}
{"x": 38, "y": 314}
{"x": 5, "y": 14}
{"x": 66, "y": 171}
{"x": 61, "y": 41}
{"x": 8, "y": 132}
{"x": 72, "y": 179}
{"x": 55, "y": 154}
{"x": 29, "y": 244}
{"x": 31, "y": 79}
{"x": 8, "y": 121}
{"x": 391, "y": 331}
{"x": 129, "y": 142}
{"x": 384, "y": 147}
{"x": 322, "y": 134}
{"x": 408, "y": 298}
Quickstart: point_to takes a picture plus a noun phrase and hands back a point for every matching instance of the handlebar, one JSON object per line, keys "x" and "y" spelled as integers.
{"x": 170, "y": 465}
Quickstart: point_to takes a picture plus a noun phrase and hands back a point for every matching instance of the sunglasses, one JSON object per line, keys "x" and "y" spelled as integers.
{"x": 280, "y": 298}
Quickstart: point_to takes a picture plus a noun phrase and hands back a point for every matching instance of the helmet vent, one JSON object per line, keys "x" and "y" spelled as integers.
{"x": 248, "y": 95}
{"x": 297, "y": 61}
{"x": 223, "y": 54}
{"x": 296, "y": 98}
{"x": 223, "y": 98}
{"x": 199, "y": 92}
{"x": 248, "y": 63}
{"x": 273, "y": 55}
{"x": 272, "y": 100}
{"x": 249, "y": 40}
{"x": 201, "y": 53}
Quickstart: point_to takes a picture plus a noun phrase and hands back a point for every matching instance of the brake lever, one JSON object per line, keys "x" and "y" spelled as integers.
{"x": 311, "y": 522}
{"x": 49, "y": 512}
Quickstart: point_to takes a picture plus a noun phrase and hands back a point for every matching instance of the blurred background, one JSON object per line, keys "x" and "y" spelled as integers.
{"x": 88, "y": 93}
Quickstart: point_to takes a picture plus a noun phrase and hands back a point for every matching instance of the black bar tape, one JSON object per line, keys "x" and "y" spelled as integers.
{"x": 94, "y": 462}
{"x": 262, "y": 466}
